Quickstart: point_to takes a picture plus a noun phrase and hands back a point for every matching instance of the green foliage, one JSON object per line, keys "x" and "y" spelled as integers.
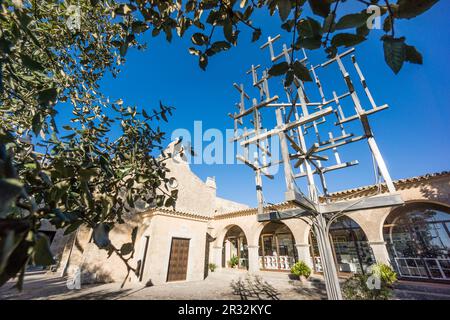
{"x": 385, "y": 273}
{"x": 233, "y": 262}
{"x": 358, "y": 286}
{"x": 72, "y": 173}
{"x": 222, "y": 21}
{"x": 212, "y": 267}
{"x": 300, "y": 268}
{"x": 394, "y": 52}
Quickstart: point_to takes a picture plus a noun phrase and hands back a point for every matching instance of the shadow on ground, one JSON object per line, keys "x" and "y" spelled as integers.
{"x": 312, "y": 289}
{"x": 40, "y": 286}
{"x": 102, "y": 295}
{"x": 254, "y": 288}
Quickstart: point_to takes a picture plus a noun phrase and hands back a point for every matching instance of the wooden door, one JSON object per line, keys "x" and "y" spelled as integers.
{"x": 178, "y": 261}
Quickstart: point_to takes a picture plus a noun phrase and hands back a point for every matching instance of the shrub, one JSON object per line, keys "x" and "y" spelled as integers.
{"x": 361, "y": 287}
{"x": 300, "y": 268}
{"x": 385, "y": 273}
{"x": 212, "y": 267}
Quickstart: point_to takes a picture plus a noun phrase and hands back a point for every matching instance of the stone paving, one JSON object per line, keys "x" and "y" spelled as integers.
{"x": 224, "y": 284}
{"x": 234, "y": 285}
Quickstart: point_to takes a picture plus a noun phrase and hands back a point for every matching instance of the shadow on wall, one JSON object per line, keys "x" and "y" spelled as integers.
{"x": 254, "y": 288}
{"x": 209, "y": 239}
{"x": 438, "y": 192}
{"x": 94, "y": 275}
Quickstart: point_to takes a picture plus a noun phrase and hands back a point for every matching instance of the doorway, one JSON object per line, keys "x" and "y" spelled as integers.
{"x": 178, "y": 260}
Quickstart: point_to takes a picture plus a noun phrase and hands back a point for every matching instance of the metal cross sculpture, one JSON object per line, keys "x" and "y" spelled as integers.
{"x": 298, "y": 128}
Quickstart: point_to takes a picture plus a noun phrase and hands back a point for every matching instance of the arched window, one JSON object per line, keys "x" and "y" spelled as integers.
{"x": 417, "y": 236}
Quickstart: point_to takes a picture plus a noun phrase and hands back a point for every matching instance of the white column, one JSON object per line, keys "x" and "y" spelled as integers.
{"x": 304, "y": 254}
{"x": 227, "y": 252}
{"x": 380, "y": 252}
{"x": 253, "y": 258}
{"x": 216, "y": 256}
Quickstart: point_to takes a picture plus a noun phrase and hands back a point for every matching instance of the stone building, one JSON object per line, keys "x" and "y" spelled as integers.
{"x": 178, "y": 244}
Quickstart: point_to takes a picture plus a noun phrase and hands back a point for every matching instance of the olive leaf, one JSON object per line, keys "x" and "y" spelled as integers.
{"x": 301, "y": 71}
{"x": 42, "y": 255}
{"x": 279, "y": 69}
{"x": 394, "y": 52}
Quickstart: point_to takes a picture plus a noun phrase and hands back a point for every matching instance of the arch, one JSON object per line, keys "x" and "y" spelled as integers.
{"x": 277, "y": 249}
{"x": 220, "y": 236}
{"x": 408, "y": 204}
{"x": 299, "y": 228}
{"x": 351, "y": 249}
{"x": 234, "y": 248}
{"x": 417, "y": 237}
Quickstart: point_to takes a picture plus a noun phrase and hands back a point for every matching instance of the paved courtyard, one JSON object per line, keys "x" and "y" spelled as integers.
{"x": 232, "y": 285}
{"x": 228, "y": 285}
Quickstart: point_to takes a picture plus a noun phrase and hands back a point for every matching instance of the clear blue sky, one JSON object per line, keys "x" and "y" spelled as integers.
{"x": 413, "y": 134}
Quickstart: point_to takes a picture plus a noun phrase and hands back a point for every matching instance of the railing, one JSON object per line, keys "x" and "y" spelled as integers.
{"x": 424, "y": 268}
{"x": 318, "y": 264}
{"x": 276, "y": 262}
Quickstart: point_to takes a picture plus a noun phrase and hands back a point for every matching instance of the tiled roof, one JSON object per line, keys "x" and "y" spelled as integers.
{"x": 253, "y": 211}
{"x": 399, "y": 184}
{"x": 176, "y": 214}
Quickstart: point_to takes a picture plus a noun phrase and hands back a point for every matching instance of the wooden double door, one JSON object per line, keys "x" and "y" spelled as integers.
{"x": 178, "y": 261}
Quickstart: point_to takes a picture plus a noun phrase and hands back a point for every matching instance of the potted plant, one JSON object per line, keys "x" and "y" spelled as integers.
{"x": 233, "y": 262}
{"x": 212, "y": 267}
{"x": 376, "y": 284}
{"x": 301, "y": 271}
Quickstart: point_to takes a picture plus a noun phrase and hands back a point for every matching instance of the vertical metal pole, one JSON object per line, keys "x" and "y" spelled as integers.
{"x": 336, "y": 100}
{"x": 381, "y": 164}
{"x": 336, "y": 154}
{"x": 329, "y": 267}
{"x": 318, "y": 84}
{"x": 370, "y": 139}
{"x": 309, "y": 173}
{"x": 363, "y": 82}
{"x": 259, "y": 193}
{"x": 265, "y": 84}
{"x": 285, "y": 153}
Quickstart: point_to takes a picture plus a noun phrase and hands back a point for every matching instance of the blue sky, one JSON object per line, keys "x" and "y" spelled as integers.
{"x": 413, "y": 134}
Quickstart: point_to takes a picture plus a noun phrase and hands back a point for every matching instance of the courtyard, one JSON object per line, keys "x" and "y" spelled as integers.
{"x": 219, "y": 285}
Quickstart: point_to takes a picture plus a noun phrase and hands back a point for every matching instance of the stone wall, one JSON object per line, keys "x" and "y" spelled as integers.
{"x": 162, "y": 227}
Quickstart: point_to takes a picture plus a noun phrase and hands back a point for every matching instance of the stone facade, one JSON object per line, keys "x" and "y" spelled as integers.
{"x": 204, "y": 219}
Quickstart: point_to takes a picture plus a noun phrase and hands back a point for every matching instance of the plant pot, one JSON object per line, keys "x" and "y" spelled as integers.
{"x": 294, "y": 276}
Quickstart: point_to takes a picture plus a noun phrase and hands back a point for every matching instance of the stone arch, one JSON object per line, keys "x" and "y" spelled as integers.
{"x": 406, "y": 206}
{"x": 299, "y": 229}
{"x": 234, "y": 248}
{"x": 277, "y": 245}
{"x": 220, "y": 235}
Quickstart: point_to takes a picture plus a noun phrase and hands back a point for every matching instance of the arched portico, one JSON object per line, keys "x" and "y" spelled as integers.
{"x": 277, "y": 249}
{"x": 234, "y": 248}
{"x": 417, "y": 237}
